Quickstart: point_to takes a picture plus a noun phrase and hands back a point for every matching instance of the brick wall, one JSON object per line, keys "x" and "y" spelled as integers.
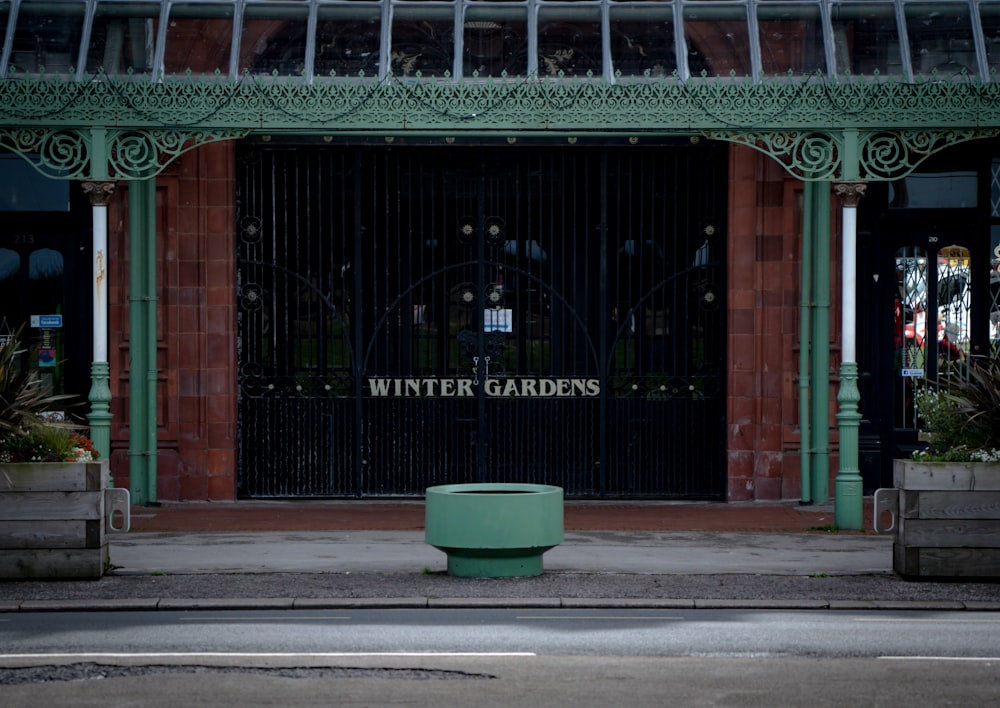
{"x": 196, "y": 327}
{"x": 764, "y": 272}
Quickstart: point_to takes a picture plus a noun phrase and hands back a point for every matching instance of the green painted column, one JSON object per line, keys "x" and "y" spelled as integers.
{"x": 820, "y": 423}
{"x": 141, "y": 196}
{"x": 100, "y": 415}
{"x": 149, "y": 334}
{"x": 805, "y": 342}
{"x": 848, "y": 484}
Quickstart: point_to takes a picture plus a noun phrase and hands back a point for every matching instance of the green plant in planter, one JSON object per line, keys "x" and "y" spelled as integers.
{"x": 961, "y": 414}
{"x": 27, "y": 433}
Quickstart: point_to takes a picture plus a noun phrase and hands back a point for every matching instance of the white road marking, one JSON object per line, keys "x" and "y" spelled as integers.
{"x": 950, "y": 620}
{"x": 593, "y": 617}
{"x": 941, "y": 658}
{"x": 262, "y": 655}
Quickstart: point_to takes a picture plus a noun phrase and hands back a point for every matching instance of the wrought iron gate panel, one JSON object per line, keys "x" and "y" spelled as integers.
{"x": 461, "y": 314}
{"x": 297, "y": 417}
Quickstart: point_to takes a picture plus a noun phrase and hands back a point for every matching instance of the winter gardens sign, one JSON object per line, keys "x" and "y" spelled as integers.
{"x": 497, "y": 388}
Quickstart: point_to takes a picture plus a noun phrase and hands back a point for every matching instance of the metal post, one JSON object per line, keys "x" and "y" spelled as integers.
{"x": 142, "y": 481}
{"x": 100, "y": 369}
{"x": 848, "y": 485}
{"x": 821, "y": 348}
{"x": 137, "y": 391}
{"x": 805, "y": 342}
{"x": 150, "y": 349}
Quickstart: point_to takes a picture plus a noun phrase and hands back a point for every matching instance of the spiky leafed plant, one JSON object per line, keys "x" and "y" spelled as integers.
{"x": 24, "y": 395}
{"x": 962, "y": 412}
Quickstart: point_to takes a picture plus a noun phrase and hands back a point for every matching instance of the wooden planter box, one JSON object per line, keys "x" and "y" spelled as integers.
{"x": 946, "y": 517}
{"x": 54, "y": 519}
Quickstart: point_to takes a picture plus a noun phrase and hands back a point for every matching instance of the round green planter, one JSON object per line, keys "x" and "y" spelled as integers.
{"x": 495, "y": 530}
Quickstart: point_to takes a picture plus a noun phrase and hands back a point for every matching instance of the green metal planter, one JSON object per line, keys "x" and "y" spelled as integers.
{"x": 495, "y": 530}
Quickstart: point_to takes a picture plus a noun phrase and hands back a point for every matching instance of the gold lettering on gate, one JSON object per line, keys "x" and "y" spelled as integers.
{"x": 433, "y": 387}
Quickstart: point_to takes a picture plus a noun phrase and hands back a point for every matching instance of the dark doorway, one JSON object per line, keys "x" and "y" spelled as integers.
{"x": 928, "y": 267}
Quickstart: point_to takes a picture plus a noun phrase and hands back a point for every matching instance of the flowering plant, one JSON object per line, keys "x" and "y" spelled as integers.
{"x": 961, "y": 414}
{"x": 29, "y": 432}
{"x": 46, "y": 444}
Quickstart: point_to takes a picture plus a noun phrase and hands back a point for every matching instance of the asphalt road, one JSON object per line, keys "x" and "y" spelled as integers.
{"x": 619, "y": 632}
{"x": 500, "y": 657}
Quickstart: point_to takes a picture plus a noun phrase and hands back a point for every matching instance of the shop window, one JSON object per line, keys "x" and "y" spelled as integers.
{"x": 939, "y": 190}
{"x": 954, "y": 306}
{"x": 10, "y": 292}
{"x": 994, "y": 292}
{"x": 123, "y": 38}
{"x": 642, "y": 40}
{"x": 995, "y": 189}
{"x": 348, "y": 41}
{"x": 909, "y": 332}
{"x": 933, "y": 321}
{"x": 46, "y": 289}
{"x": 24, "y": 188}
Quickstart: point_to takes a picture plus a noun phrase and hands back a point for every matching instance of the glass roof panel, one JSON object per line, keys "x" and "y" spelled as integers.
{"x": 569, "y": 41}
{"x": 791, "y": 39}
{"x": 348, "y": 41}
{"x": 866, "y": 39}
{"x": 4, "y": 16}
{"x": 47, "y": 37}
{"x": 718, "y": 39}
{"x": 490, "y": 38}
{"x": 642, "y": 40}
{"x": 423, "y": 39}
{"x": 495, "y": 41}
{"x": 199, "y": 39}
{"x": 123, "y": 38}
{"x": 941, "y": 39}
{"x": 990, "y": 16}
{"x": 273, "y": 40}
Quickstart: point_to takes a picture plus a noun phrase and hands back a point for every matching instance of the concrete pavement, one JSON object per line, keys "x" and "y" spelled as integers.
{"x": 584, "y": 552}
{"x": 324, "y": 536}
{"x": 340, "y": 553}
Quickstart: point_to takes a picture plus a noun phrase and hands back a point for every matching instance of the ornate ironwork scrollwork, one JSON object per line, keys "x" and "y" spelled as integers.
{"x": 126, "y": 128}
{"x": 881, "y": 154}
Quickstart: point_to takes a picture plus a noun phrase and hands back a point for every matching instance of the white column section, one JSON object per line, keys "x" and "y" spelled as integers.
{"x": 100, "y": 272}
{"x": 849, "y": 304}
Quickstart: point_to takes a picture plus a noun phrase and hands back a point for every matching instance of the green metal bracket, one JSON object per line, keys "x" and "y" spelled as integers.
{"x": 100, "y": 154}
{"x": 849, "y": 154}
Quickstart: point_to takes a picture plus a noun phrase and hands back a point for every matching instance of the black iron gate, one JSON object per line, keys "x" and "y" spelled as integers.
{"x": 413, "y": 316}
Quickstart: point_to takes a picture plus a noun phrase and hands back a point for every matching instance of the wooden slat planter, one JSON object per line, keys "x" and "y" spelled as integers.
{"x": 54, "y": 518}
{"x": 946, "y": 519}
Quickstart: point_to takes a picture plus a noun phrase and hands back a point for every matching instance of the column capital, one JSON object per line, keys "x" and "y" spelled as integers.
{"x": 98, "y": 192}
{"x": 850, "y": 193}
